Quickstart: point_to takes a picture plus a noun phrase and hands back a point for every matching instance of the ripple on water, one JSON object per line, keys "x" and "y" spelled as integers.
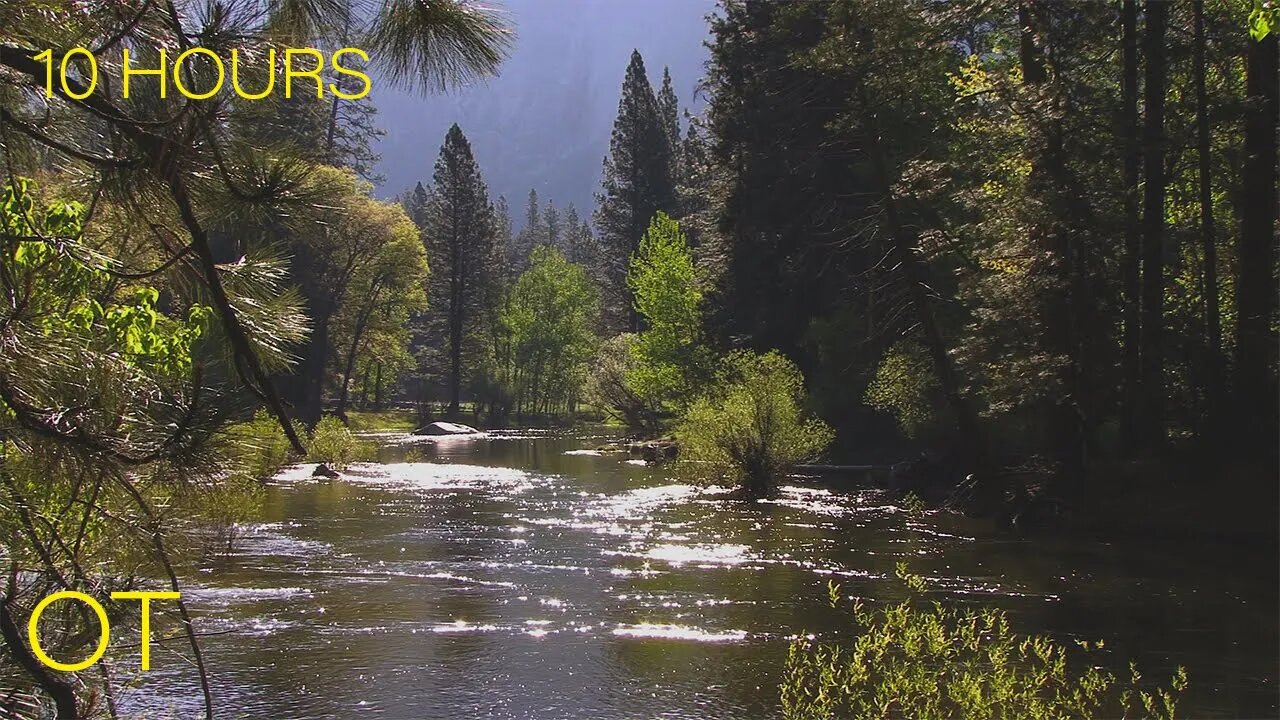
{"x": 657, "y": 631}
{"x": 428, "y": 476}
{"x": 228, "y": 596}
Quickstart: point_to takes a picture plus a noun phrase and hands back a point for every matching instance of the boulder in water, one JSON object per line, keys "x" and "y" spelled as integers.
{"x": 323, "y": 470}
{"x": 446, "y": 428}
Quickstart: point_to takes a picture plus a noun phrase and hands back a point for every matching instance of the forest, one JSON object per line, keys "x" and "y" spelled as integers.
{"x": 1024, "y": 251}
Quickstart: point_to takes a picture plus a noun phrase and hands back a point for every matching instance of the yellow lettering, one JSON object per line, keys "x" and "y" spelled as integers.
{"x": 235, "y": 75}
{"x": 313, "y": 73}
{"x": 47, "y": 58}
{"x": 129, "y": 72}
{"x": 103, "y": 636}
{"x": 147, "y": 597}
{"x": 93, "y": 73}
{"x": 338, "y": 68}
{"x": 177, "y": 73}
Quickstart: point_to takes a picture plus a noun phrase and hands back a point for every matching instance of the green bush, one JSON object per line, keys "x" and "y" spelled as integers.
{"x": 259, "y": 447}
{"x": 751, "y": 428}
{"x": 226, "y": 504}
{"x": 938, "y": 662}
{"x": 333, "y": 443}
{"x": 905, "y": 387}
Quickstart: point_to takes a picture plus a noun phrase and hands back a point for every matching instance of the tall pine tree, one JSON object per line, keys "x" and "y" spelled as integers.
{"x": 531, "y": 235}
{"x": 458, "y": 229}
{"x": 637, "y": 183}
{"x": 551, "y": 224}
{"x": 669, "y": 113}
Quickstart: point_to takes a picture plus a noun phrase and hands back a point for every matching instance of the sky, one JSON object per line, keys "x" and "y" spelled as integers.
{"x": 544, "y": 122}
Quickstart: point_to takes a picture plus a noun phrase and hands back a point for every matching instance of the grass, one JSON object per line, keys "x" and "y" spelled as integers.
{"x": 382, "y": 420}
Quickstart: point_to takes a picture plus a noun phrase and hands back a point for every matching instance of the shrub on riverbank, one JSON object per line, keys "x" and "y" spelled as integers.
{"x": 751, "y": 427}
{"x": 939, "y": 662}
{"x": 333, "y": 443}
{"x": 258, "y": 448}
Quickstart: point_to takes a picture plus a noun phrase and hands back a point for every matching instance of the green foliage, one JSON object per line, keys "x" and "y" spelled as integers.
{"x": 459, "y": 228}
{"x": 385, "y": 420}
{"x": 906, "y": 387}
{"x": 750, "y": 428}
{"x": 671, "y": 359}
{"x": 1264, "y": 18}
{"x": 258, "y": 447}
{"x": 609, "y": 386}
{"x": 333, "y": 443}
{"x": 65, "y": 296}
{"x": 372, "y": 326}
{"x": 546, "y": 335}
{"x": 913, "y": 661}
{"x": 114, "y": 386}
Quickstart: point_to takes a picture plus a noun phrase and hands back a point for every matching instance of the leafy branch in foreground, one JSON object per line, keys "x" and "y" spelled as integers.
{"x": 941, "y": 662}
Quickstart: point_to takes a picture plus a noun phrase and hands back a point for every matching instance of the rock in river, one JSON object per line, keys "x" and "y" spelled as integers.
{"x": 446, "y": 428}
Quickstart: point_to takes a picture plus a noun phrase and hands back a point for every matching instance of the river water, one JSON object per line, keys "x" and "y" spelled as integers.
{"x": 522, "y": 576}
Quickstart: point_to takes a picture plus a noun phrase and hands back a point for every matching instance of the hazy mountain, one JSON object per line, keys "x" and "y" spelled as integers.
{"x": 544, "y": 122}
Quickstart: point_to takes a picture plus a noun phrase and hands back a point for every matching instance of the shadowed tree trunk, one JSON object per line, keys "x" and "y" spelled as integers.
{"x": 357, "y": 336}
{"x": 1152, "y": 346}
{"x": 55, "y": 685}
{"x": 1214, "y": 367}
{"x": 1061, "y": 300}
{"x": 1131, "y": 265}
{"x": 1255, "y": 380}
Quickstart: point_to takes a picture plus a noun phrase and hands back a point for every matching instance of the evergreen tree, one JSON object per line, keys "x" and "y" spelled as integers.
{"x": 669, "y": 113}
{"x": 504, "y": 241}
{"x": 416, "y": 203}
{"x": 580, "y": 243}
{"x": 531, "y": 235}
{"x": 637, "y": 183}
{"x": 695, "y": 187}
{"x": 459, "y": 235}
{"x": 551, "y": 224}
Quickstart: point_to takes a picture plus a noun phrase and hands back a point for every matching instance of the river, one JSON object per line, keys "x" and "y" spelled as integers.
{"x": 522, "y": 576}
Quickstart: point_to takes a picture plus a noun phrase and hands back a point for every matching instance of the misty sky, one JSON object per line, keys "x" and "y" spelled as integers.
{"x": 544, "y": 122}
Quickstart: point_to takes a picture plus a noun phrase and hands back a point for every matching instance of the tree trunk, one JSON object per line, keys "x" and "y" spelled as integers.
{"x": 1152, "y": 345}
{"x": 1255, "y": 379}
{"x": 1214, "y": 366}
{"x": 362, "y": 322}
{"x": 455, "y": 333}
{"x": 1061, "y": 300}
{"x": 1131, "y": 264}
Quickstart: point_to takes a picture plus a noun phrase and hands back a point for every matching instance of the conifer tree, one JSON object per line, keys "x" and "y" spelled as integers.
{"x": 551, "y": 225}
{"x": 580, "y": 242}
{"x": 504, "y": 241}
{"x": 459, "y": 235}
{"x": 531, "y": 235}
{"x": 637, "y": 183}
{"x": 669, "y": 113}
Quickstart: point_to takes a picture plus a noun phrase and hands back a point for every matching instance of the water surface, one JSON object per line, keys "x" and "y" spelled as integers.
{"x": 523, "y": 576}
